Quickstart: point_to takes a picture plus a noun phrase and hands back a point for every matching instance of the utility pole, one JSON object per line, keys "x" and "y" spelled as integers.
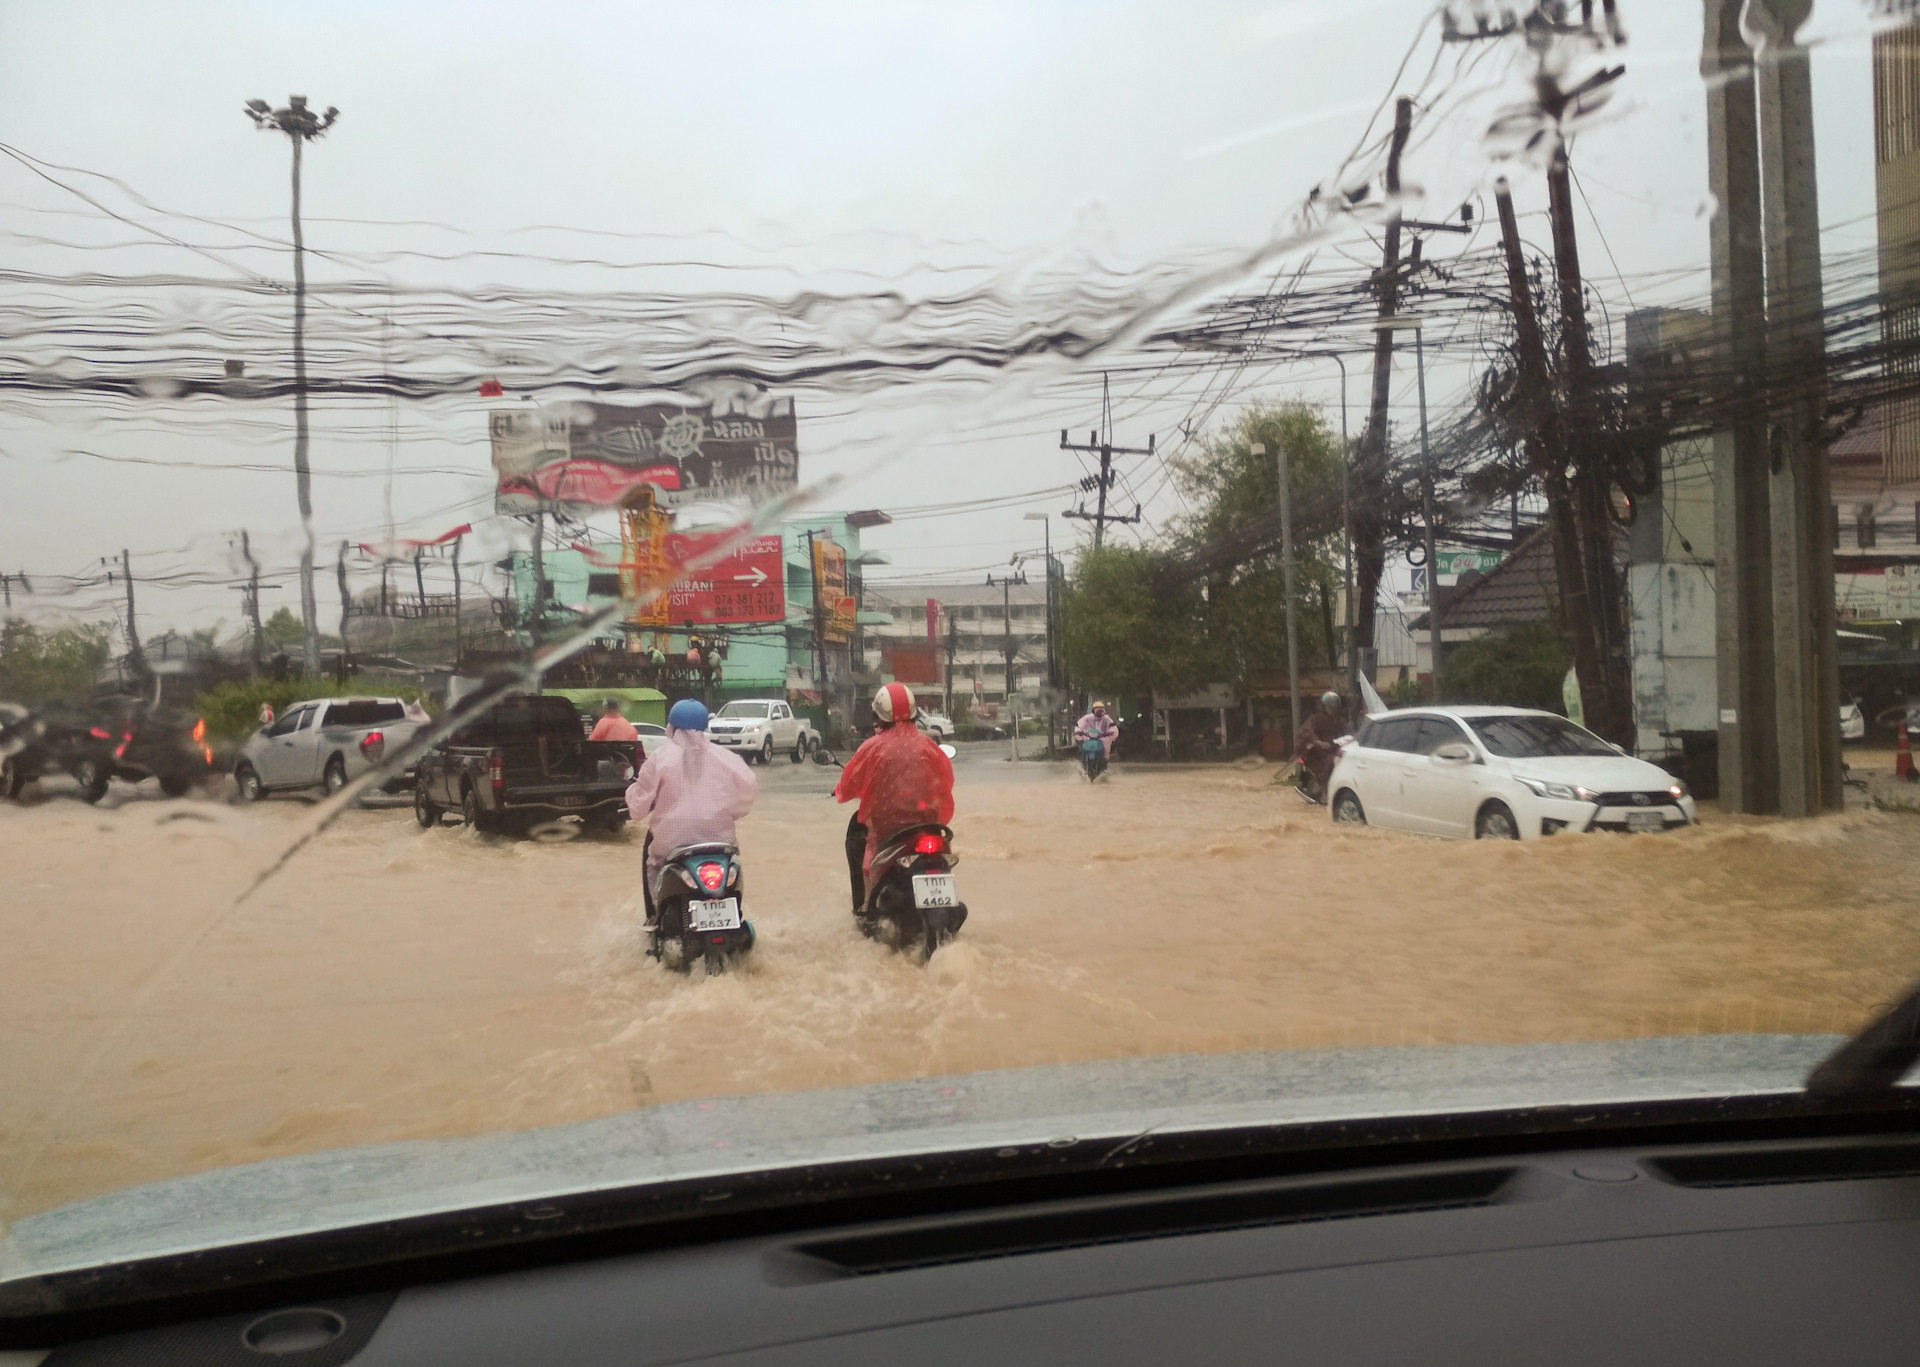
{"x": 1369, "y": 525}
{"x": 301, "y": 125}
{"x": 1286, "y": 575}
{"x": 953, "y": 646}
{"x": 1053, "y": 682}
{"x": 346, "y": 602}
{"x": 134, "y": 655}
{"x": 1426, "y": 504}
{"x": 1007, "y": 581}
{"x": 253, "y": 597}
{"x": 1591, "y": 491}
{"x": 1547, "y": 452}
{"x": 420, "y": 580}
{"x": 540, "y": 569}
{"x": 456, "y": 606}
{"x": 1101, "y": 444}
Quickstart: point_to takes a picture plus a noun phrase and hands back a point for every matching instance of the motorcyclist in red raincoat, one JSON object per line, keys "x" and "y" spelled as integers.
{"x": 900, "y": 778}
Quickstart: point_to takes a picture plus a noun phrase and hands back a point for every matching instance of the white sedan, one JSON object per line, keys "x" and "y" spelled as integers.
{"x": 1505, "y": 773}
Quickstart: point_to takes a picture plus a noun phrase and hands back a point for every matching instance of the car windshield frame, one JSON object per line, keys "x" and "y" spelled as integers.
{"x": 728, "y": 714}
{"x": 1543, "y": 721}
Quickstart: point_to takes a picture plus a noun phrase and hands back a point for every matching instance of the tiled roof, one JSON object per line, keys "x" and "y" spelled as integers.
{"x": 1521, "y": 588}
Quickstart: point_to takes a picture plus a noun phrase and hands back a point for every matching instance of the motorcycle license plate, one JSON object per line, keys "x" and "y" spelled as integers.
{"x": 722, "y": 914}
{"x": 1646, "y": 821}
{"x": 934, "y": 890}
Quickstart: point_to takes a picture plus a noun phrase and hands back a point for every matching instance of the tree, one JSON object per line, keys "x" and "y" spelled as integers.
{"x": 1123, "y": 633}
{"x": 1521, "y": 664}
{"x": 37, "y": 665}
{"x": 283, "y": 628}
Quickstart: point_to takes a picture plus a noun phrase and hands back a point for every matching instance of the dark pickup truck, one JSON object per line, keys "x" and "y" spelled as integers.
{"x": 522, "y": 762}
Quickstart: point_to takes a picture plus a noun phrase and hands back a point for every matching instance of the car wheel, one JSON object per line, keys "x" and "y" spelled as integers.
{"x": 766, "y": 751}
{"x": 11, "y": 781}
{"x": 424, "y": 809}
{"x": 91, "y": 778}
{"x": 799, "y": 755}
{"x": 335, "y": 777}
{"x": 472, "y": 814}
{"x": 1346, "y": 807}
{"x": 248, "y": 782}
{"x": 1495, "y": 822}
{"x": 175, "y": 785}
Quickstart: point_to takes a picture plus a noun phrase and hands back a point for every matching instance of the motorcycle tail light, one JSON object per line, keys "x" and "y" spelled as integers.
{"x": 711, "y": 876}
{"x": 930, "y": 843}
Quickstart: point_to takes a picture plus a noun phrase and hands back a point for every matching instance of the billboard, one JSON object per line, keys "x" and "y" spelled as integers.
{"x": 591, "y": 455}
{"x": 747, "y": 584}
{"x": 830, "y": 590}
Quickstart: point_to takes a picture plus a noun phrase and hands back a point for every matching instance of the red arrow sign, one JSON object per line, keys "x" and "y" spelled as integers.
{"x": 748, "y": 584}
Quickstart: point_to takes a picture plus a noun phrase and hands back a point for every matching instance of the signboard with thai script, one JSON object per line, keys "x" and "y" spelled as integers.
{"x": 593, "y": 455}
{"x": 1888, "y": 593}
{"x": 830, "y": 587}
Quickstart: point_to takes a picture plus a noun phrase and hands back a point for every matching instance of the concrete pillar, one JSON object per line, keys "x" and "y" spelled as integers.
{"x": 1749, "y": 740}
{"x": 1806, "y": 662}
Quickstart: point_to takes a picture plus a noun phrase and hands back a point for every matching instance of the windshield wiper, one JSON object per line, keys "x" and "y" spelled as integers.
{"x": 1875, "y": 1060}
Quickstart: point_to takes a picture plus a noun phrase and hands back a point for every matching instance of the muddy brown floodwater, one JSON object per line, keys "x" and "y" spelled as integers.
{"x": 392, "y": 983}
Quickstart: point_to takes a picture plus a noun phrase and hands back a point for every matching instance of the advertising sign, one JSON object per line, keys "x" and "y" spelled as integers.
{"x": 1459, "y": 562}
{"x": 1888, "y": 593}
{"x": 590, "y": 455}
{"x": 830, "y": 583}
{"x": 747, "y": 584}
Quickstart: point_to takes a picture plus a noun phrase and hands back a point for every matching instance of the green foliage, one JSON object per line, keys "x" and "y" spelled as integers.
{"x": 232, "y": 710}
{"x": 283, "y": 628}
{"x": 38, "y": 665}
{"x": 1132, "y": 624}
{"x": 1521, "y": 665}
{"x": 1123, "y": 631}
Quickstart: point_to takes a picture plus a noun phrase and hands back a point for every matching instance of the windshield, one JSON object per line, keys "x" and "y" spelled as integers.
{"x": 1536, "y": 738}
{"x": 384, "y": 392}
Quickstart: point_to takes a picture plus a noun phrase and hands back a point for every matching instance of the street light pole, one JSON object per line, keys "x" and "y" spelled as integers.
{"x": 1426, "y": 499}
{"x": 1053, "y": 681}
{"x": 301, "y": 125}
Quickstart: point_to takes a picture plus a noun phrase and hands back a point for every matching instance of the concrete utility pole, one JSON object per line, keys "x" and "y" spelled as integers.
{"x": 253, "y": 597}
{"x": 456, "y": 606}
{"x": 1426, "y": 505}
{"x": 1285, "y": 499}
{"x": 301, "y": 125}
{"x": 1053, "y": 679}
{"x": 1546, "y": 451}
{"x": 1369, "y": 525}
{"x": 1778, "y": 668}
{"x": 1101, "y": 443}
{"x": 134, "y": 655}
{"x": 346, "y": 602}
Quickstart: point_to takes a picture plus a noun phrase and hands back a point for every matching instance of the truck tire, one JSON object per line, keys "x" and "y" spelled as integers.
{"x": 11, "y": 779}
{"x": 175, "y": 785}
{"x": 799, "y": 755}
{"x": 91, "y": 777}
{"x": 425, "y": 810}
{"x": 335, "y": 777}
{"x": 766, "y": 751}
{"x": 248, "y": 782}
{"x": 473, "y": 815}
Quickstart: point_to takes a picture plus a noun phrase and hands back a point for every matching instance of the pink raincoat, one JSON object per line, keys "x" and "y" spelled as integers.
{"x": 689, "y": 793}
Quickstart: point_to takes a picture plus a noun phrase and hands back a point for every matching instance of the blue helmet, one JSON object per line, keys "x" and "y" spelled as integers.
{"x": 689, "y": 714}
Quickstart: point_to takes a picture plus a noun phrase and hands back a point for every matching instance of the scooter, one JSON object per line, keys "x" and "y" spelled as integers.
{"x": 697, "y": 910}
{"x": 1093, "y": 757}
{"x": 1309, "y": 787}
{"x": 911, "y": 899}
{"x": 911, "y": 902}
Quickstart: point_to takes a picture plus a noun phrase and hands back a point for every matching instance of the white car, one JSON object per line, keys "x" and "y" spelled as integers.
{"x": 1853, "y": 723}
{"x": 762, "y": 728}
{"x": 1505, "y": 773}
{"x": 936, "y": 724}
{"x": 326, "y": 743}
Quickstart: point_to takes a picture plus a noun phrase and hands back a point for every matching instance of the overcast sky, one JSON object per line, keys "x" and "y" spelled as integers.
{"x": 486, "y": 151}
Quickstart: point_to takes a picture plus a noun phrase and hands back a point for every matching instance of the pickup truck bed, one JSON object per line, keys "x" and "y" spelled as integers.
{"x": 521, "y": 763}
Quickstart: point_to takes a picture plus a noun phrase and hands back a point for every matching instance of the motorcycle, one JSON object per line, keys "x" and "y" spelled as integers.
{"x": 1310, "y": 788}
{"x": 697, "y": 910}
{"x": 1093, "y": 757}
{"x": 911, "y": 901}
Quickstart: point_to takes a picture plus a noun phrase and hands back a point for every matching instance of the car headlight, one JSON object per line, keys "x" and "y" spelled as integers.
{"x": 1678, "y": 788}
{"x": 1564, "y": 792}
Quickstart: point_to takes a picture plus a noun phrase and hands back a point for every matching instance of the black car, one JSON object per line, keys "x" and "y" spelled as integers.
{"x": 100, "y": 739}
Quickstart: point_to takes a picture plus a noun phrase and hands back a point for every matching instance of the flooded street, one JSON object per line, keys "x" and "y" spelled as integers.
{"x": 392, "y": 983}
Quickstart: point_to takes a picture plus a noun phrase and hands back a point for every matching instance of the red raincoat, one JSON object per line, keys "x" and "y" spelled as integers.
{"x": 900, "y": 778}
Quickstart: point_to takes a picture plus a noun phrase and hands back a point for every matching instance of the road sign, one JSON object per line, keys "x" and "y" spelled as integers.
{"x": 748, "y": 584}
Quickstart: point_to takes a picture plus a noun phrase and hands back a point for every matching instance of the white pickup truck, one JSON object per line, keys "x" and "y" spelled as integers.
{"x": 325, "y": 743}
{"x": 761, "y": 728}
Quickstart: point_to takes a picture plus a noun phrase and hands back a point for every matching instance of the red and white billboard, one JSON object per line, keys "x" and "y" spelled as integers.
{"x": 748, "y": 584}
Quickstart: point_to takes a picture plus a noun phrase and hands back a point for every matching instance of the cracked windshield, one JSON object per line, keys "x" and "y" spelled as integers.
{"x": 567, "y": 565}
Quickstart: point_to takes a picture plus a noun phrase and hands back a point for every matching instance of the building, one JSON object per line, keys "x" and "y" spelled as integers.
{"x": 972, "y": 629}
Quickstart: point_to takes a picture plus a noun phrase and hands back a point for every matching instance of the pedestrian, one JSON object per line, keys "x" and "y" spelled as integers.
{"x": 613, "y": 724}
